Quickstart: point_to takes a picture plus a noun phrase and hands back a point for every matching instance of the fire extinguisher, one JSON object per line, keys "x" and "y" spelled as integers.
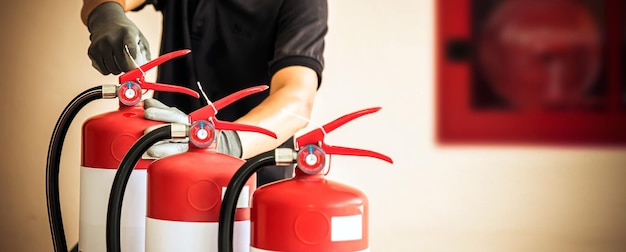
{"x": 307, "y": 212}
{"x": 185, "y": 190}
{"x": 105, "y": 140}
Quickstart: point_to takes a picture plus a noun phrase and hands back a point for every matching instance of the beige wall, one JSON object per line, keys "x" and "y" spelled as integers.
{"x": 379, "y": 53}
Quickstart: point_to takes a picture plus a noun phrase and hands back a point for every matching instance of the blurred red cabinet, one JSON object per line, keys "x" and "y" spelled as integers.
{"x": 548, "y": 72}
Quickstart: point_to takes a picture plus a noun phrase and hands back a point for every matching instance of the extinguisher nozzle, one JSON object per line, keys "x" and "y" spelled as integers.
{"x": 53, "y": 163}
{"x": 285, "y": 156}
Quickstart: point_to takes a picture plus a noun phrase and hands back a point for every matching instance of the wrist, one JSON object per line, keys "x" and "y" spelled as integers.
{"x": 90, "y": 6}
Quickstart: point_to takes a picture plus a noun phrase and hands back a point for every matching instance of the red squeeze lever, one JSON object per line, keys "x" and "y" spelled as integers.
{"x": 132, "y": 82}
{"x": 316, "y": 137}
{"x": 201, "y": 132}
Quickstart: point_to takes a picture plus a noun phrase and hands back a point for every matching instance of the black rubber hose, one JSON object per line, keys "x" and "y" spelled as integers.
{"x": 114, "y": 210}
{"x": 54, "y": 160}
{"x": 229, "y": 202}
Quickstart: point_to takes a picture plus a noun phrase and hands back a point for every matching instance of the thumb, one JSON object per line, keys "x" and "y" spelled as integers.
{"x": 166, "y": 149}
{"x": 134, "y": 53}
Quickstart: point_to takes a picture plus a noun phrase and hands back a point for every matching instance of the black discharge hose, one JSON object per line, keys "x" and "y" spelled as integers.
{"x": 114, "y": 210}
{"x": 229, "y": 203}
{"x": 54, "y": 160}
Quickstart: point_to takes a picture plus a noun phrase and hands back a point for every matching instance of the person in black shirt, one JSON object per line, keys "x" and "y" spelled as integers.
{"x": 234, "y": 44}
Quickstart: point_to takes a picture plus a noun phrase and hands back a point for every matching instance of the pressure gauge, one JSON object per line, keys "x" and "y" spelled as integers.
{"x": 311, "y": 159}
{"x": 129, "y": 93}
{"x": 202, "y": 134}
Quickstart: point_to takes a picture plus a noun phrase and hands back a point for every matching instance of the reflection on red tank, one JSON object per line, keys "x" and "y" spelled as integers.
{"x": 539, "y": 54}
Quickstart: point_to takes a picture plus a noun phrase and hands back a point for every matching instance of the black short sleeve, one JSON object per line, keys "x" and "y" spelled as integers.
{"x": 301, "y": 27}
{"x": 158, "y": 5}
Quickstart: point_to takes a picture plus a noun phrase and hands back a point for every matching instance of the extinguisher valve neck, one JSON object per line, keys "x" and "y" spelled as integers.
{"x": 179, "y": 130}
{"x": 285, "y": 156}
{"x": 109, "y": 91}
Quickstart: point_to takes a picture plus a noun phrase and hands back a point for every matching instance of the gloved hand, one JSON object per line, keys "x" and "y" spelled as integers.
{"x": 110, "y": 32}
{"x": 228, "y": 141}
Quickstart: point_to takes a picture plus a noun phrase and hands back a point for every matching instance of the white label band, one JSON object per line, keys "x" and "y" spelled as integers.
{"x": 243, "y": 201}
{"x": 95, "y": 188}
{"x": 253, "y": 249}
{"x": 168, "y": 236}
{"x": 346, "y": 228}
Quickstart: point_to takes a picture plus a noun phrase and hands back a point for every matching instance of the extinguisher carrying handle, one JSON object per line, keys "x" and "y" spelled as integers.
{"x": 208, "y": 112}
{"x": 222, "y": 125}
{"x": 355, "y": 152}
{"x": 137, "y": 75}
{"x": 316, "y": 137}
{"x": 122, "y": 176}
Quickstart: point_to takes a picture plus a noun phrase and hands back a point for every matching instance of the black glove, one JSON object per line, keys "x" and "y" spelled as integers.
{"x": 111, "y": 31}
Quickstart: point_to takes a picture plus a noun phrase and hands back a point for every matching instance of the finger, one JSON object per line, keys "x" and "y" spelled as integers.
{"x": 166, "y": 115}
{"x": 109, "y": 63}
{"x": 154, "y": 103}
{"x": 123, "y": 60}
{"x": 146, "y": 52}
{"x": 166, "y": 149}
{"x": 144, "y": 48}
{"x": 94, "y": 64}
{"x": 177, "y": 111}
{"x": 138, "y": 51}
{"x": 151, "y": 102}
{"x": 96, "y": 60}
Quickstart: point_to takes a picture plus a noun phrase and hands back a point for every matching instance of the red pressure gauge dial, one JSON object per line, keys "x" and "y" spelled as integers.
{"x": 129, "y": 93}
{"x": 202, "y": 134}
{"x": 311, "y": 159}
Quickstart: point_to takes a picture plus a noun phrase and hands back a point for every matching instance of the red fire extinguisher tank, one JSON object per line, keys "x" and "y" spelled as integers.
{"x": 310, "y": 212}
{"x": 185, "y": 190}
{"x": 105, "y": 140}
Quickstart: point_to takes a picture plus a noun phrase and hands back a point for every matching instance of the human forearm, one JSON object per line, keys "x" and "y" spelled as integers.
{"x": 293, "y": 90}
{"x": 89, "y": 5}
